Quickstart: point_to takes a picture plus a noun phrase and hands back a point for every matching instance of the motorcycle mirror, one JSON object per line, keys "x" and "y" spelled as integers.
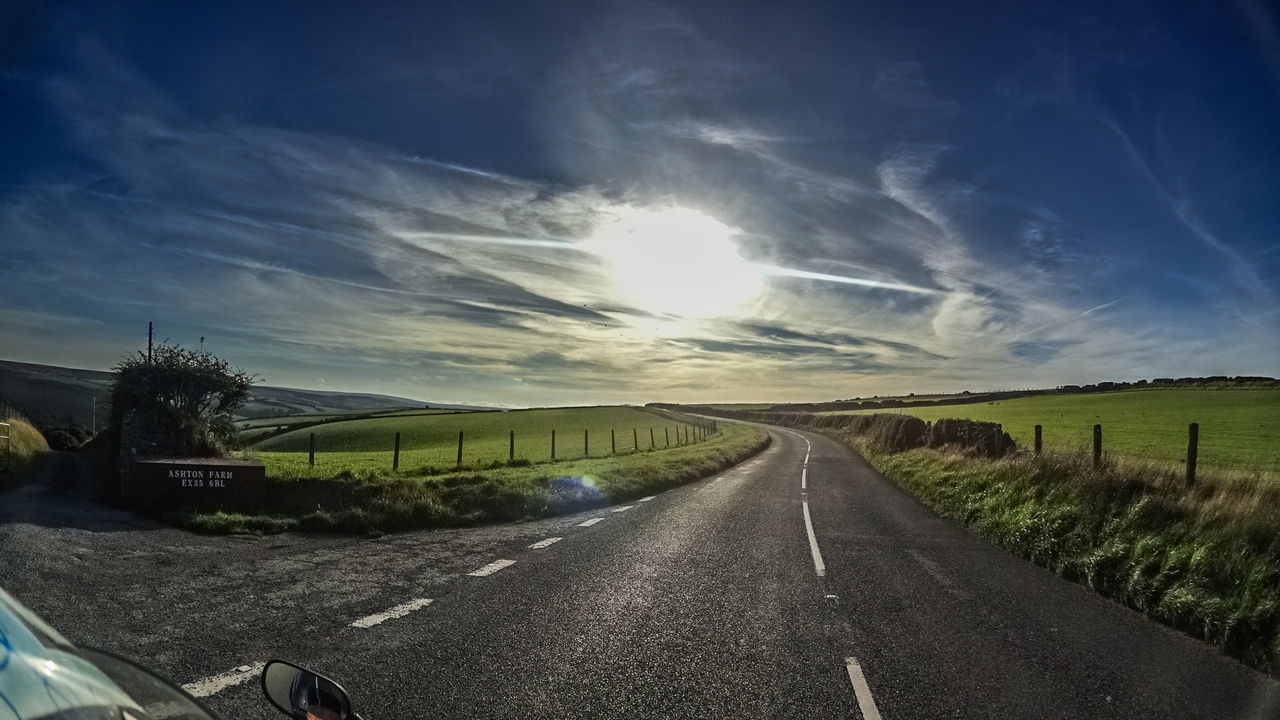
{"x": 305, "y": 695}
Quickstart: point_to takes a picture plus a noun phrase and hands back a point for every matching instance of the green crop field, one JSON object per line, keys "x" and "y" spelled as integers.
{"x": 432, "y": 440}
{"x": 1239, "y": 428}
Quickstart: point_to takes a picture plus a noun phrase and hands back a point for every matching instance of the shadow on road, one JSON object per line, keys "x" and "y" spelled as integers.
{"x": 58, "y": 494}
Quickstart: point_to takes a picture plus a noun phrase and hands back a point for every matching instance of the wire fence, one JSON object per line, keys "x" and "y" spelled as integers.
{"x": 492, "y": 450}
{"x": 1193, "y": 455}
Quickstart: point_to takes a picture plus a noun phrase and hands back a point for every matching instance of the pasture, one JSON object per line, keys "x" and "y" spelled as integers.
{"x": 431, "y": 440}
{"x": 1239, "y": 428}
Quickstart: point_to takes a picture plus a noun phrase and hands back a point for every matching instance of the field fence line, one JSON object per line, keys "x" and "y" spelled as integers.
{"x": 442, "y": 454}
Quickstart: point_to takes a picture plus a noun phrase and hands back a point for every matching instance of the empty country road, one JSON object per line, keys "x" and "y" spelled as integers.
{"x": 797, "y": 584}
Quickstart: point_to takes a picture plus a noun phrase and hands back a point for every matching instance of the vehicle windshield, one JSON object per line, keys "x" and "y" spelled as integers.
{"x": 44, "y": 677}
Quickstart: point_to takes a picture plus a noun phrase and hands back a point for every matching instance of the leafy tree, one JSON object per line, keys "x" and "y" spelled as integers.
{"x": 184, "y": 398}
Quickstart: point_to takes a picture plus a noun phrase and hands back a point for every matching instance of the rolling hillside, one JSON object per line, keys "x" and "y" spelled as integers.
{"x": 63, "y": 396}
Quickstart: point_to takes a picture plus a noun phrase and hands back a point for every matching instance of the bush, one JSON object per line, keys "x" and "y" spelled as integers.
{"x": 179, "y": 401}
{"x": 978, "y": 438}
{"x": 26, "y": 444}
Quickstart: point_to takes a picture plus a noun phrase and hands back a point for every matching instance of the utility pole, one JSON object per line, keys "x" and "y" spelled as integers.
{"x": 95, "y": 415}
{"x": 149, "y": 329}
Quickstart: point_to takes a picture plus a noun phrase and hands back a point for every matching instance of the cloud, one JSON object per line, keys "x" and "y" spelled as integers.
{"x": 897, "y": 251}
{"x": 902, "y": 83}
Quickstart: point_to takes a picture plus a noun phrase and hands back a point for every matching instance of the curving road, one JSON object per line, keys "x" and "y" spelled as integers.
{"x": 798, "y": 584}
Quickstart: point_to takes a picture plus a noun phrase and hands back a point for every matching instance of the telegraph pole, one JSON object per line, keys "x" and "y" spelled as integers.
{"x": 149, "y": 328}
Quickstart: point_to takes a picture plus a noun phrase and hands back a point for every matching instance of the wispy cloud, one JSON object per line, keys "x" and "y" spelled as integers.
{"x": 898, "y": 238}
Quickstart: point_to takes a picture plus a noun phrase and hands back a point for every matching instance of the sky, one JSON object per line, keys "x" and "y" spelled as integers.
{"x": 549, "y": 203}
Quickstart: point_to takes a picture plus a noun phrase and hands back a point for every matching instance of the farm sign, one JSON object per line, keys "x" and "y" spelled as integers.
{"x": 197, "y": 483}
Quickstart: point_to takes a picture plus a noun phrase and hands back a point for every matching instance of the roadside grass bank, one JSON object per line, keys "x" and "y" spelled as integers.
{"x": 1204, "y": 560}
{"x": 24, "y": 448}
{"x": 379, "y": 500}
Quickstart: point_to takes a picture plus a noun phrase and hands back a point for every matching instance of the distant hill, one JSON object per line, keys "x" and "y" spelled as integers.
{"x": 54, "y": 395}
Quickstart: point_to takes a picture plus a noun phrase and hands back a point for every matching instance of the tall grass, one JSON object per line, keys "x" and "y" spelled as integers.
{"x": 369, "y": 500}
{"x": 26, "y": 444}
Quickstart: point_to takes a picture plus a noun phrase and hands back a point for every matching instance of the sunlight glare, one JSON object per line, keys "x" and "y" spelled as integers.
{"x": 678, "y": 261}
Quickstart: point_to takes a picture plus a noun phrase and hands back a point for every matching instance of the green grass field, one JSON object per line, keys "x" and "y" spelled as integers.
{"x": 1239, "y": 428}
{"x": 376, "y": 499}
{"x": 431, "y": 441}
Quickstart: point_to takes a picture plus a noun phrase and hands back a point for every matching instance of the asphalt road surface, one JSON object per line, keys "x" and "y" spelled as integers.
{"x": 799, "y": 584}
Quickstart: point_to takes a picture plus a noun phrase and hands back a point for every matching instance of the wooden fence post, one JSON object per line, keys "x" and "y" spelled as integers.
{"x": 1193, "y": 441}
{"x": 586, "y": 446}
{"x": 1038, "y": 443}
{"x": 459, "y": 448}
{"x": 312, "y": 455}
{"x": 1097, "y": 445}
{"x": 511, "y": 453}
{"x": 395, "y": 455}
{"x": 553, "y": 444}
{"x": 635, "y": 440}
{"x": 651, "y": 443}
{"x": 667, "y": 434}
{"x": 613, "y": 442}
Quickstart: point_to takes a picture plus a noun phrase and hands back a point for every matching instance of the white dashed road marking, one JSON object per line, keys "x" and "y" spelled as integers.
{"x": 544, "y": 543}
{"x": 218, "y": 683}
{"x": 818, "y": 566}
{"x": 398, "y": 611}
{"x": 590, "y": 522}
{"x": 866, "y": 703}
{"x": 492, "y": 568}
{"x": 622, "y": 508}
{"x": 646, "y": 499}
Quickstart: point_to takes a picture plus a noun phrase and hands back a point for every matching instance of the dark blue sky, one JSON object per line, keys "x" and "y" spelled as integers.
{"x": 545, "y": 203}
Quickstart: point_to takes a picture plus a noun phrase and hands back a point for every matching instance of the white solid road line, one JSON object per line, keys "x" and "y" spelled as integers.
{"x": 544, "y": 543}
{"x": 492, "y": 568}
{"x": 866, "y": 703}
{"x": 818, "y": 566}
{"x": 590, "y": 522}
{"x": 622, "y": 508}
{"x": 646, "y": 499}
{"x": 804, "y": 478}
{"x": 218, "y": 683}
{"x": 398, "y": 611}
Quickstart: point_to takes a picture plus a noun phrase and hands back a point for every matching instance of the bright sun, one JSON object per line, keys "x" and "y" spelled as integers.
{"x": 677, "y": 261}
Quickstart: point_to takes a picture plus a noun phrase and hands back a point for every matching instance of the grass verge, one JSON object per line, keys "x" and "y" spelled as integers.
{"x": 1205, "y": 561}
{"x": 361, "y": 501}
